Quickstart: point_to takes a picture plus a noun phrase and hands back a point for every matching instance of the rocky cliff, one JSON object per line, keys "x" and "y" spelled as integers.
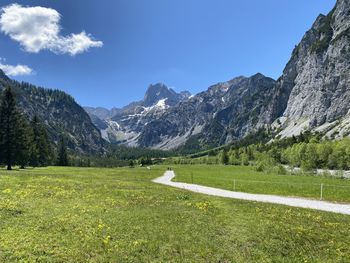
{"x": 314, "y": 90}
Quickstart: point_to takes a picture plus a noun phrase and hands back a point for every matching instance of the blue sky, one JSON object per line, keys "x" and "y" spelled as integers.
{"x": 186, "y": 44}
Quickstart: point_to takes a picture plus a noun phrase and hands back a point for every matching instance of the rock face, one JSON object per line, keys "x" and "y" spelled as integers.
{"x": 313, "y": 93}
{"x": 315, "y": 86}
{"x": 60, "y": 113}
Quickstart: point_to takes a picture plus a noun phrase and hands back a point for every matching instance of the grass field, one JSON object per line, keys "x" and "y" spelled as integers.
{"x": 118, "y": 215}
{"x": 246, "y": 179}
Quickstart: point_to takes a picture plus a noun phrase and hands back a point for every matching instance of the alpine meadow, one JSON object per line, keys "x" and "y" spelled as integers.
{"x": 254, "y": 168}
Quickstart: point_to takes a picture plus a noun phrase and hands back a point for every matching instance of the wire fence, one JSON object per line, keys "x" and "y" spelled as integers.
{"x": 290, "y": 183}
{"x": 324, "y": 191}
{"x": 321, "y": 191}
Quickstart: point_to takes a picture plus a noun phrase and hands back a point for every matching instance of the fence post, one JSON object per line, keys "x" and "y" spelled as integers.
{"x": 234, "y": 184}
{"x": 321, "y": 192}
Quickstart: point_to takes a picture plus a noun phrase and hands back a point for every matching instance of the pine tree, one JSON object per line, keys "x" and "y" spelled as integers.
{"x": 14, "y": 147}
{"x": 62, "y": 156}
{"x": 24, "y": 137}
{"x": 41, "y": 152}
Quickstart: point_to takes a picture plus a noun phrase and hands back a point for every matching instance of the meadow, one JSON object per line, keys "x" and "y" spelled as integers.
{"x": 58, "y": 214}
{"x": 247, "y": 179}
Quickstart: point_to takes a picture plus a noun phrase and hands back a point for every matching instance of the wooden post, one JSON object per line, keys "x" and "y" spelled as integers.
{"x": 321, "y": 192}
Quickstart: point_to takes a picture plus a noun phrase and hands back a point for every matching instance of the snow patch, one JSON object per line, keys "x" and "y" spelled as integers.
{"x": 161, "y": 104}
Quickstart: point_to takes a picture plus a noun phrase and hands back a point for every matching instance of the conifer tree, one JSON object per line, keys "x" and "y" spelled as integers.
{"x": 62, "y": 155}
{"x": 24, "y": 137}
{"x": 41, "y": 152}
{"x": 14, "y": 148}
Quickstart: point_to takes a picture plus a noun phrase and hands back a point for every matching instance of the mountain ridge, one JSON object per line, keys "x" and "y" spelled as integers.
{"x": 312, "y": 94}
{"x": 60, "y": 113}
{"x": 123, "y": 125}
{"x": 188, "y": 116}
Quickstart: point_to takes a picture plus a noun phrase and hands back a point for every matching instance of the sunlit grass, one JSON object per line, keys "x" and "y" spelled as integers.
{"x": 246, "y": 179}
{"x": 119, "y": 215}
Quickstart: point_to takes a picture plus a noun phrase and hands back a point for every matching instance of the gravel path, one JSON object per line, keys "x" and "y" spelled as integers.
{"x": 289, "y": 201}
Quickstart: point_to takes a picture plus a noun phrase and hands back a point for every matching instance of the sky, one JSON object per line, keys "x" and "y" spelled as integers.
{"x": 106, "y": 53}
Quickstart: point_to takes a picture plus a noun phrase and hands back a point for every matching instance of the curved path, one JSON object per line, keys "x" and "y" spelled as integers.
{"x": 275, "y": 199}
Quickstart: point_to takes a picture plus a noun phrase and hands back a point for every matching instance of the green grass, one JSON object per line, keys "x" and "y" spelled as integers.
{"x": 250, "y": 181}
{"x": 118, "y": 215}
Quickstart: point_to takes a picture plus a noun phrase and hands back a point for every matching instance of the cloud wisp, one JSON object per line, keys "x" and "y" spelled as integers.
{"x": 17, "y": 70}
{"x": 38, "y": 28}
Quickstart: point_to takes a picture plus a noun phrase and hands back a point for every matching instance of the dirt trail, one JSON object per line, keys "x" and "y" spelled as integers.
{"x": 282, "y": 200}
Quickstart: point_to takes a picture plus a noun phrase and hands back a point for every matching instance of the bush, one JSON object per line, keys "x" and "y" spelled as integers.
{"x": 280, "y": 170}
{"x": 260, "y": 167}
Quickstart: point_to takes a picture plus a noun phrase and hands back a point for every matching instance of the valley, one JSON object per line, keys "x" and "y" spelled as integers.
{"x": 251, "y": 169}
{"x": 92, "y": 214}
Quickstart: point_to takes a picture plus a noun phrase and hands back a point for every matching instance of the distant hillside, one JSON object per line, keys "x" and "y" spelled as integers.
{"x": 60, "y": 113}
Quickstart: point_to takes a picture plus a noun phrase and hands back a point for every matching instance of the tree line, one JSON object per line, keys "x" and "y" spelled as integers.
{"x": 307, "y": 151}
{"x": 25, "y": 142}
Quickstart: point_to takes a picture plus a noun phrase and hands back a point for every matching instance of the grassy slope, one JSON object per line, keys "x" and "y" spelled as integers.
{"x": 118, "y": 215}
{"x": 248, "y": 180}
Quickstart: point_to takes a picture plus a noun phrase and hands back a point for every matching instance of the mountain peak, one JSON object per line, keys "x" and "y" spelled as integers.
{"x": 158, "y": 92}
{"x": 258, "y": 75}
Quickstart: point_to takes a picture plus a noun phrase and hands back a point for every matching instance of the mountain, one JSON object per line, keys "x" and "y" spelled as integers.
{"x": 160, "y": 91}
{"x": 60, "y": 113}
{"x": 313, "y": 93}
{"x": 124, "y": 125}
{"x": 226, "y": 111}
{"x": 165, "y": 119}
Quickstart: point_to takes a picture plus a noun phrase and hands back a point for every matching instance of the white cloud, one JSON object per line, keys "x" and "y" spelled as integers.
{"x": 18, "y": 70}
{"x": 38, "y": 28}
